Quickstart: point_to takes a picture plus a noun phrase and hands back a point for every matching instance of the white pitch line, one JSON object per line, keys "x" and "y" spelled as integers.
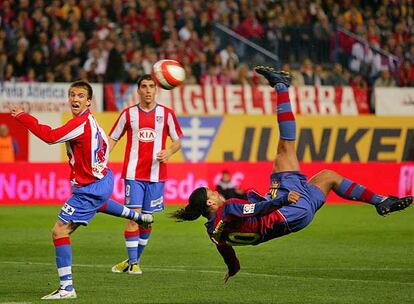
{"x": 182, "y": 268}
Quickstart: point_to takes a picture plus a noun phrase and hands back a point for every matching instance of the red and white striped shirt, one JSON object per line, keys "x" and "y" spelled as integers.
{"x": 146, "y": 136}
{"x": 86, "y": 145}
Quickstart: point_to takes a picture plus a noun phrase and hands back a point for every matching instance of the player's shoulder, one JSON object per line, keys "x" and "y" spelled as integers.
{"x": 236, "y": 201}
{"x": 127, "y": 109}
{"x": 166, "y": 109}
{"x": 82, "y": 117}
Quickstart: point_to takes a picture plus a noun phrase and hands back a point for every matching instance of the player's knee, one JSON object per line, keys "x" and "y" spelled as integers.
{"x": 330, "y": 175}
{"x": 131, "y": 225}
{"x": 58, "y": 232}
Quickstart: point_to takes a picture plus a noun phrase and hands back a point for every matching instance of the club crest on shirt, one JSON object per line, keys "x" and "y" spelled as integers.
{"x": 159, "y": 119}
{"x": 248, "y": 208}
{"x": 274, "y": 186}
{"x": 146, "y": 135}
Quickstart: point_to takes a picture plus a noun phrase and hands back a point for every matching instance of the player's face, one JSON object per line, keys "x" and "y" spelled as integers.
{"x": 146, "y": 92}
{"x": 214, "y": 199}
{"x": 78, "y": 100}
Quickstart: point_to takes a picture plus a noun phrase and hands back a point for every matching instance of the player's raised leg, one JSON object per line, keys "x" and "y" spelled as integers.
{"x": 286, "y": 159}
{"x": 114, "y": 208}
{"x": 328, "y": 180}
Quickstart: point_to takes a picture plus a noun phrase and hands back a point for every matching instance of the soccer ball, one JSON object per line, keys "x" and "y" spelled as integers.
{"x": 168, "y": 73}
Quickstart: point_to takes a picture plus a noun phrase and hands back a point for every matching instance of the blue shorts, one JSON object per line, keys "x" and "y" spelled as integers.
{"x": 298, "y": 215}
{"x": 149, "y": 196}
{"x": 85, "y": 201}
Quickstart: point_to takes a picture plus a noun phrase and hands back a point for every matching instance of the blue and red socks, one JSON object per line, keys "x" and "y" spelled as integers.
{"x": 131, "y": 242}
{"x": 285, "y": 117}
{"x": 356, "y": 192}
{"x": 112, "y": 207}
{"x": 144, "y": 234}
{"x": 63, "y": 254}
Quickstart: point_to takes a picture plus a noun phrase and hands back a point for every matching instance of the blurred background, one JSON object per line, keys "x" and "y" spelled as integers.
{"x": 352, "y": 63}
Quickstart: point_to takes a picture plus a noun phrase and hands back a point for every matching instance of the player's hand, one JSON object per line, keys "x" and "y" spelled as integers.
{"x": 231, "y": 273}
{"x": 15, "y": 110}
{"x": 226, "y": 277}
{"x": 163, "y": 155}
{"x": 293, "y": 197}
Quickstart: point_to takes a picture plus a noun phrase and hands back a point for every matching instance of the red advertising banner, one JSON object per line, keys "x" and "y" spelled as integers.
{"x": 236, "y": 99}
{"x": 47, "y": 183}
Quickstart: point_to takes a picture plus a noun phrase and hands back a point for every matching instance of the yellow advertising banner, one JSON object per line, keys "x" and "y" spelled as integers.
{"x": 319, "y": 138}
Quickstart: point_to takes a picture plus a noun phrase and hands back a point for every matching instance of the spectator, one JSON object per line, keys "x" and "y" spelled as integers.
{"x": 199, "y": 66}
{"x": 385, "y": 80}
{"x": 38, "y": 65}
{"x": 297, "y": 77}
{"x": 150, "y": 58}
{"x": 358, "y": 81}
{"x": 96, "y": 62}
{"x": 227, "y": 188}
{"x": 132, "y": 75}
{"x": 189, "y": 77}
{"x": 185, "y": 32}
{"x": 70, "y": 7}
{"x": 308, "y": 72}
{"x": 319, "y": 76}
{"x": 243, "y": 75}
{"x": 228, "y": 53}
{"x": 3, "y": 65}
{"x": 321, "y": 36}
{"x": 19, "y": 64}
{"x": 406, "y": 74}
{"x": 210, "y": 77}
{"x": 115, "y": 71}
{"x": 9, "y": 73}
{"x": 8, "y": 145}
{"x": 336, "y": 77}
{"x": 87, "y": 23}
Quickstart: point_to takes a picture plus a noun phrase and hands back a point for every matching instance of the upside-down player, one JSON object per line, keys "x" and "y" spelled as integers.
{"x": 92, "y": 182}
{"x": 292, "y": 201}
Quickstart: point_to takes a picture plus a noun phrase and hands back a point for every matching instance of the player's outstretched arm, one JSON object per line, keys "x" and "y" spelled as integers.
{"x": 72, "y": 129}
{"x": 230, "y": 258}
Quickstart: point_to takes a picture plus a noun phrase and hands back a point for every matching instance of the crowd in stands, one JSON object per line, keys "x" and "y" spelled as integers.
{"x": 323, "y": 42}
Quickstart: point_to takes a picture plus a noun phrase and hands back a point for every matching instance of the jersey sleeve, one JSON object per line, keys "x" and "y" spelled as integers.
{"x": 72, "y": 129}
{"x": 235, "y": 209}
{"x": 230, "y": 258}
{"x": 119, "y": 128}
{"x": 174, "y": 129}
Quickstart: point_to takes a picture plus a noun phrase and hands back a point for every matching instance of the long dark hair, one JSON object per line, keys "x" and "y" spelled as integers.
{"x": 197, "y": 205}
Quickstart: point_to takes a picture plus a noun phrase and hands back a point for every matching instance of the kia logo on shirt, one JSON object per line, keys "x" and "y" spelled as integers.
{"x": 146, "y": 134}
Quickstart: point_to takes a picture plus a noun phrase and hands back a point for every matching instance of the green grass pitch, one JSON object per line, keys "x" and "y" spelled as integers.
{"x": 348, "y": 254}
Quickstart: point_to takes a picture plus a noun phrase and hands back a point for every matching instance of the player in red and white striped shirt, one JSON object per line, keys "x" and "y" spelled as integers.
{"x": 92, "y": 182}
{"x": 147, "y": 126}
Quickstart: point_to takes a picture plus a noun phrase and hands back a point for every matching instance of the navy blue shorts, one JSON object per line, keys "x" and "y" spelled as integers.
{"x": 85, "y": 201}
{"x": 149, "y": 196}
{"x": 298, "y": 215}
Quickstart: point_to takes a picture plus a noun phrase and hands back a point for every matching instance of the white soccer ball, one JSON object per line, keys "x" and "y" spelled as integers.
{"x": 168, "y": 73}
